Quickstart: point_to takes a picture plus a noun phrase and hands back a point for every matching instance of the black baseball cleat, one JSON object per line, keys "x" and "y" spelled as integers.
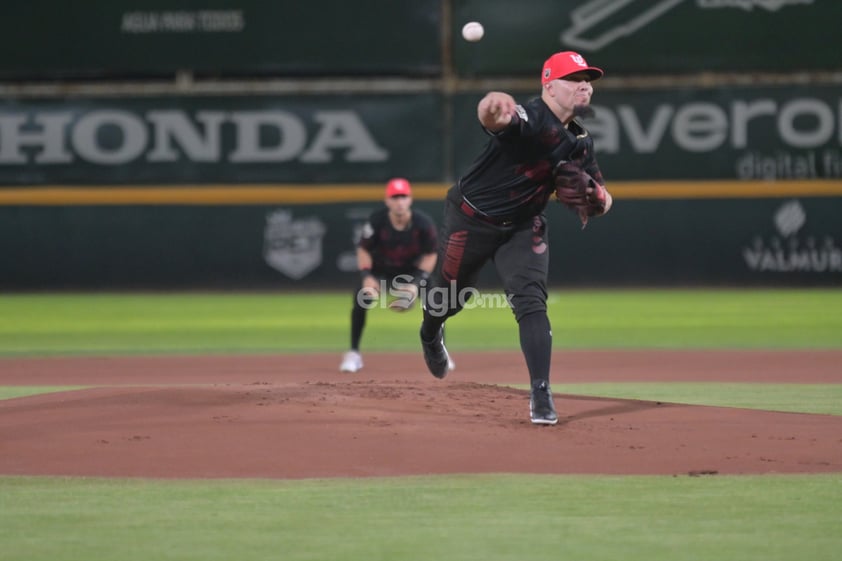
{"x": 435, "y": 355}
{"x": 541, "y": 408}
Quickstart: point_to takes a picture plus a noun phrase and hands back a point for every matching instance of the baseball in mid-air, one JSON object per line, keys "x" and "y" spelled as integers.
{"x": 473, "y": 31}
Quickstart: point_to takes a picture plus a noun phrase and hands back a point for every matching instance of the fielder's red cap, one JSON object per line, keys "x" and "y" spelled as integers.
{"x": 567, "y": 62}
{"x": 397, "y": 187}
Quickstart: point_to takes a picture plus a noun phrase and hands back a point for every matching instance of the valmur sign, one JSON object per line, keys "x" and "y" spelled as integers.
{"x": 280, "y": 140}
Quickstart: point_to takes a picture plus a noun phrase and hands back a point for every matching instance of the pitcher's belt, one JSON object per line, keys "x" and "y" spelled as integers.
{"x": 469, "y": 210}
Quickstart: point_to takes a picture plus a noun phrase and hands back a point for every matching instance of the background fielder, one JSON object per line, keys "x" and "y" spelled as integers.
{"x": 396, "y": 254}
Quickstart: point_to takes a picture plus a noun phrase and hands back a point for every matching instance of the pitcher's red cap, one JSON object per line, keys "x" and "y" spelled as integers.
{"x": 567, "y": 62}
{"x": 398, "y": 186}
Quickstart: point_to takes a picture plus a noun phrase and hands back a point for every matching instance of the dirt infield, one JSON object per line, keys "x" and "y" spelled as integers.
{"x": 296, "y": 416}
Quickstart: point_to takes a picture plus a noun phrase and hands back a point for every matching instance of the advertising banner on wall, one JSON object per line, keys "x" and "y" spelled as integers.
{"x": 101, "y": 38}
{"x": 237, "y": 139}
{"x": 742, "y": 133}
{"x": 738, "y": 133}
{"x": 736, "y": 242}
{"x": 651, "y": 36}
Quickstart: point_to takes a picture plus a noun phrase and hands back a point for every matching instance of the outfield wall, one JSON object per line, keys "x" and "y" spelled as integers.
{"x": 217, "y": 146}
{"x": 662, "y": 242}
{"x": 738, "y": 185}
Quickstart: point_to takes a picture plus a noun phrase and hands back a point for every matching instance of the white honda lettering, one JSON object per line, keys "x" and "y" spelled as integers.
{"x": 132, "y": 133}
{"x": 173, "y": 127}
{"x": 48, "y": 137}
{"x": 253, "y": 128}
{"x": 343, "y": 130}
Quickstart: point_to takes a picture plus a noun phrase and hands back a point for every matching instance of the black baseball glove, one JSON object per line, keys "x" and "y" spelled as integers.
{"x": 578, "y": 191}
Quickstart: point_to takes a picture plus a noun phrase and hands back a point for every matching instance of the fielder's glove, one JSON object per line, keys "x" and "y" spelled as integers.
{"x": 404, "y": 299}
{"x": 407, "y": 293}
{"x": 578, "y": 191}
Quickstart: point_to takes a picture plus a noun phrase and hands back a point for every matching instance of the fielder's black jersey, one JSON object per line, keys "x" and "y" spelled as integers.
{"x": 398, "y": 251}
{"x": 512, "y": 177}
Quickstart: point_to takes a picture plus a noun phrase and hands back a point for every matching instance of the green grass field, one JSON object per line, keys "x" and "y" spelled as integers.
{"x": 465, "y": 517}
{"x": 459, "y": 518}
{"x": 267, "y": 323}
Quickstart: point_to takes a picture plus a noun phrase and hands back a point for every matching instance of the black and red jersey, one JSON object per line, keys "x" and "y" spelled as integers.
{"x": 512, "y": 177}
{"x": 398, "y": 251}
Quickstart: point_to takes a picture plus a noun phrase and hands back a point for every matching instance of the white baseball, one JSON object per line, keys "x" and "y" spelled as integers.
{"x": 473, "y": 31}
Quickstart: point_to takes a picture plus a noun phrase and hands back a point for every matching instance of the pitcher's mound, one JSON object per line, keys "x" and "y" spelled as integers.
{"x": 393, "y": 427}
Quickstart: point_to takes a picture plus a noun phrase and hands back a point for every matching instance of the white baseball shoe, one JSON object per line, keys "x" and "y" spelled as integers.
{"x": 352, "y": 361}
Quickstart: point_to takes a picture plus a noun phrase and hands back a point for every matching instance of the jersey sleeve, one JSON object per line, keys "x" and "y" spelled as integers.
{"x": 525, "y": 122}
{"x": 429, "y": 236}
{"x": 368, "y": 234}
